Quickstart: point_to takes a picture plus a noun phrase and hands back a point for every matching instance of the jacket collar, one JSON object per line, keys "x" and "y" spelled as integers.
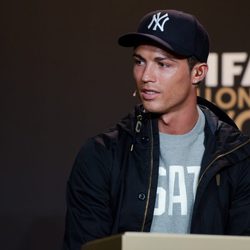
{"x": 215, "y": 117}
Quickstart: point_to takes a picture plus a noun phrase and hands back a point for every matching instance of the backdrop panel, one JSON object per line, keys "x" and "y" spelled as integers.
{"x": 64, "y": 78}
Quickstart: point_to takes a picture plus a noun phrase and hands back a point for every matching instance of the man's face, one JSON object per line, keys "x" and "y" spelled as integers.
{"x": 163, "y": 81}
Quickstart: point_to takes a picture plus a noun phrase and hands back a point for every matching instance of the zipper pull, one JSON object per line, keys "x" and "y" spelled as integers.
{"x": 138, "y": 124}
{"x": 217, "y": 177}
{"x": 137, "y": 129}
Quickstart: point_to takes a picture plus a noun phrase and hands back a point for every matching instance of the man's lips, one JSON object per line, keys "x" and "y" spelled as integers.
{"x": 149, "y": 94}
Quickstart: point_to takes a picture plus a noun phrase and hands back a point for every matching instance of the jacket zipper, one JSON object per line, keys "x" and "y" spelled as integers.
{"x": 218, "y": 157}
{"x": 150, "y": 177}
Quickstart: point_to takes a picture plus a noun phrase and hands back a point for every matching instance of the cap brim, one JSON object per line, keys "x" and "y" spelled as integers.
{"x": 135, "y": 39}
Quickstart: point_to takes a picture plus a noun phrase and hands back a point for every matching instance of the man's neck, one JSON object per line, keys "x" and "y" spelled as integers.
{"x": 178, "y": 123}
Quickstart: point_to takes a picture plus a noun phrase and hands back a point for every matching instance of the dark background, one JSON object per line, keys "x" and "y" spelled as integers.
{"x": 64, "y": 78}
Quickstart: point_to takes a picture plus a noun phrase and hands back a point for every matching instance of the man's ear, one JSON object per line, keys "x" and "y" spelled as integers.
{"x": 199, "y": 72}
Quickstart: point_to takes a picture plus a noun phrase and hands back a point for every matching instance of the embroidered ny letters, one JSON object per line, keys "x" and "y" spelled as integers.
{"x": 158, "y": 21}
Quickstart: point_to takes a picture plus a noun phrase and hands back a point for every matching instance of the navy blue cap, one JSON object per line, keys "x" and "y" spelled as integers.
{"x": 173, "y": 30}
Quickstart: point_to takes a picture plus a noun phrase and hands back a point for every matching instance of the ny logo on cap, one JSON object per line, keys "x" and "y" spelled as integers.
{"x": 158, "y": 21}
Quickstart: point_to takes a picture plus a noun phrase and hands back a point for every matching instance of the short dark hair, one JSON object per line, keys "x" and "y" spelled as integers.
{"x": 192, "y": 61}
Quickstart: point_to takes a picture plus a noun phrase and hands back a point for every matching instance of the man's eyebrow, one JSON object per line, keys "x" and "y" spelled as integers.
{"x": 137, "y": 55}
{"x": 158, "y": 58}
{"x": 162, "y": 58}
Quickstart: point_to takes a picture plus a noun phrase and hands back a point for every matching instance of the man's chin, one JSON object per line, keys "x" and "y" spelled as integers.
{"x": 152, "y": 108}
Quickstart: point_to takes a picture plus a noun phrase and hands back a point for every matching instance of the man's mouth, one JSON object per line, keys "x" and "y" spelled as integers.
{"x": 149, "y": 94}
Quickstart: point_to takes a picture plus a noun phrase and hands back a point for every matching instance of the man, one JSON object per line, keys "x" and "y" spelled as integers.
{"x": 174, "y": 165}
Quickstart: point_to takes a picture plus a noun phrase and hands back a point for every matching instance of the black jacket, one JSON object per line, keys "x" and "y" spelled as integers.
{"x": 113, "y": 183}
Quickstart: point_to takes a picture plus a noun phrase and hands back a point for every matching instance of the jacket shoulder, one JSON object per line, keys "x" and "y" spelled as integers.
{"x": 218, "y": 112}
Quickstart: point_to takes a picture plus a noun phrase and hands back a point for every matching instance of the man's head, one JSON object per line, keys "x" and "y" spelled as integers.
{"x": 172, "y": 30}
{"x": 170, "y": 54}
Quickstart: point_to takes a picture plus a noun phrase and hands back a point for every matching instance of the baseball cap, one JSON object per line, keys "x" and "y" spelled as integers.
{"x": 173, "y": 30}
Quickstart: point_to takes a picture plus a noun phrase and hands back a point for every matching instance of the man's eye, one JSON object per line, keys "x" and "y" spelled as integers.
{"x": 137, "y": 61}
{"x": 165, "y": 65}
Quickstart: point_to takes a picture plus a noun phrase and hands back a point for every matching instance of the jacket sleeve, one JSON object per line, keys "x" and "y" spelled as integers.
{"x": 239, "y": 213}
{"x": 88, "y": 214}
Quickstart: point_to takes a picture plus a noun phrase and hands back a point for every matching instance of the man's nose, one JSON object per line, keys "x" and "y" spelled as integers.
{"x": 148, "y": 74}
